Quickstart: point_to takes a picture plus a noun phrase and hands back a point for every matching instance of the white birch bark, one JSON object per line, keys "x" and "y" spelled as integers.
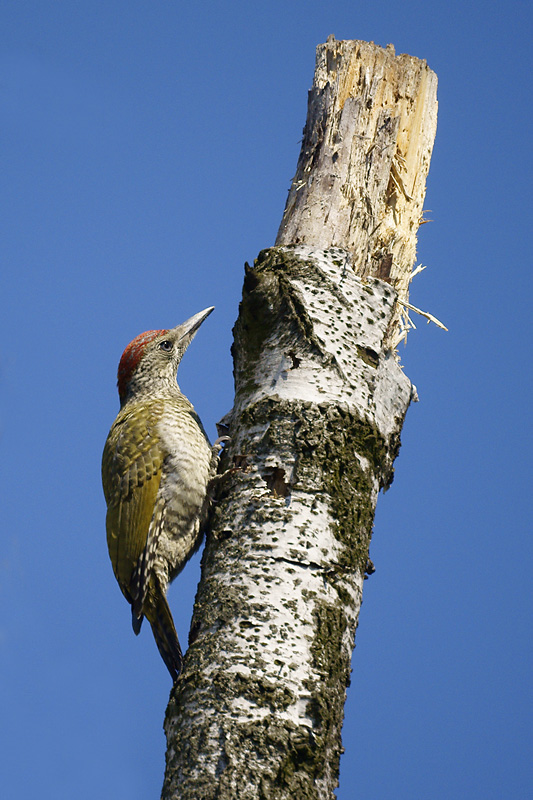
{"x": 320, "y": 402}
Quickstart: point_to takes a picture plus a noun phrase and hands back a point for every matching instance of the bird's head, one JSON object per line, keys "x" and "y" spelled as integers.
{"x": 150, "y": 362}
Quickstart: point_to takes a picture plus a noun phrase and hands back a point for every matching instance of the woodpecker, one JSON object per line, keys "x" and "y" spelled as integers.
{"x": 156, "y": 467}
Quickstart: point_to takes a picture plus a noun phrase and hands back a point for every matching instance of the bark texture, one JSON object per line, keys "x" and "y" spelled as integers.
{"x": 319, "y": 406}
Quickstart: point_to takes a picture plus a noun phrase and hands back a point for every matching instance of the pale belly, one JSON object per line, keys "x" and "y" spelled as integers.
{"x": 182, "y": 492}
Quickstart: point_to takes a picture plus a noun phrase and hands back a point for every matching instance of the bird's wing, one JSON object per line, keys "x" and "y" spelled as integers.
{"x": 131, "y": 469}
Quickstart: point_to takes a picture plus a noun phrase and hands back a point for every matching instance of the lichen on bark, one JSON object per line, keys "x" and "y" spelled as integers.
{"x": 283, "y": 568}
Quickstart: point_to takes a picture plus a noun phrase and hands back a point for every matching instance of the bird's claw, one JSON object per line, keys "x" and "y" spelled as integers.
{"x": 217, "y": 447}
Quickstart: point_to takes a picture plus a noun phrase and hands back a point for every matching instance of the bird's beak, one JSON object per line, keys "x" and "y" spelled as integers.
{"x": 187, "y": 330}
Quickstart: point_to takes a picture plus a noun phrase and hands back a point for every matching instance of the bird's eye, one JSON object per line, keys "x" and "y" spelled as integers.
{"x": 166, "y": 345}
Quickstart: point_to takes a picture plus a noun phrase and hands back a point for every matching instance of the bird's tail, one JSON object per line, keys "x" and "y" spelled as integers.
{"x": 158, "y": 614}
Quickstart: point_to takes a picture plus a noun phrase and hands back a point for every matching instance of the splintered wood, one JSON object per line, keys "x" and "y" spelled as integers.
{"x": 360, "y": 182}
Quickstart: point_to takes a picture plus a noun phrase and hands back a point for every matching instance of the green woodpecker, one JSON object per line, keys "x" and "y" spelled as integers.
{"x": 156, "y": 467}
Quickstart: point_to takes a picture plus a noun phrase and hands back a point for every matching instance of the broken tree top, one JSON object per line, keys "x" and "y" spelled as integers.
{"x": 360, "y": 182}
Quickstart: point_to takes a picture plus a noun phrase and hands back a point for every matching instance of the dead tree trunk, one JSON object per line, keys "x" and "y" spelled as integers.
{"x": 319, "y": 406}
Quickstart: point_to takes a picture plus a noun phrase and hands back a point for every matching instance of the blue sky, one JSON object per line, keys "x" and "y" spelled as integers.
{"x": 147, "y": 149}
